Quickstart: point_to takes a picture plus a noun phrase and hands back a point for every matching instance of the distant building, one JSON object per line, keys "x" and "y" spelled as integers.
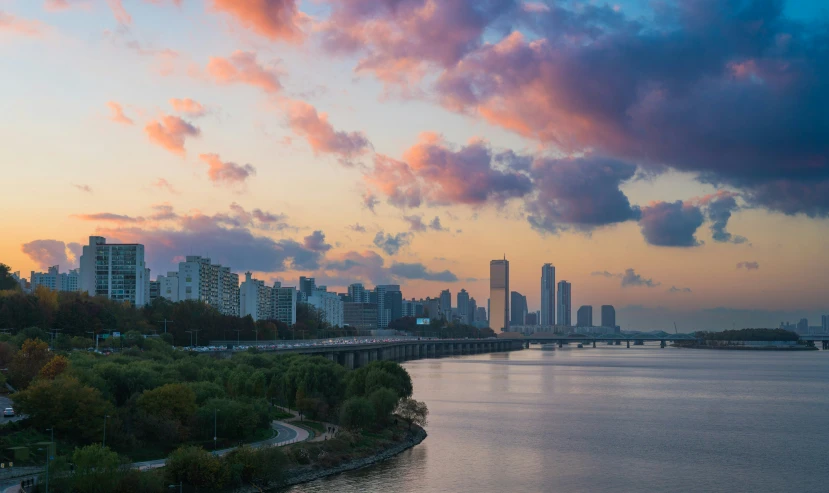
{"x": 360, "y": 316}
{"x": 283, "y": 304}
{"x": 446, "y": 304}
{"x": 824, "y": 319}
{"x": 168, "y": 286}
{"x": 608, "y": 316}
{"x": 201, "y": 280}
{"x": 330, "y": 305}
{"x": 55, "y": 280}
{"x": 499, "y": 295}
{"x": 358, "y": 293}
{"x": 471, "y": 310}
{"x": 518, "y": 308}
{"x": 480, "y": 314}
{"x": 548, "y": 295}
{"x": 412, "y": 308}
{"x": 389, "y": 301}
{"x": 803, "y": 326}
{"x": 307, "y": 286}
{"x": 564, "y": 302}
{"x": 431, "y": 307}
{"x": 116, "y": 271}
{"x": 155, "y": 290}
{"x": 24, "y": 284}
{"x": 584, "y": 317}
{"x": 255, "y": 299}
{"x": 531, "y": 319}
{"x": 463, "y": 307}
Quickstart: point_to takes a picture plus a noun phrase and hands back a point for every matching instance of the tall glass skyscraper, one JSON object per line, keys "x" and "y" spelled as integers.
{"x": 499, "y": 295}
{"x": 548, "y": 295}
{"x": 564, "y": 315}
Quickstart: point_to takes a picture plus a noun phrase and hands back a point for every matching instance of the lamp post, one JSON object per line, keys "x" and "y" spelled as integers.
{"x": 104, "y": 443}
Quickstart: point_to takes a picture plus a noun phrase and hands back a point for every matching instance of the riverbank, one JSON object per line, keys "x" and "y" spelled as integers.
{"x": 313, "y": 472}
{"x": 749, "y": 348}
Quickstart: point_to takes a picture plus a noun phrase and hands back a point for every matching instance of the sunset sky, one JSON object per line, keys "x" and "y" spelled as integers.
{"x": 668, "y": 157}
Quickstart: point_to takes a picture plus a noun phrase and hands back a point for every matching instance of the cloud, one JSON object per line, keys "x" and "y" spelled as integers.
{"x": 226, "y": 172}
{"x": 118, "y": 115}
{"x": 672, "y": 224}
{"x": 187, "y": 106}
{"x": 320, "y": 134}
{"x": 631, "y": 278}
{"x": 674, "y": 290}
{"x": 108, "y": 217}
{"x": 435, "y": 225}
{"x": 605, "y": 274}
{"x": 277, "y": 20}
{"x": 419, "y": 271}
{"x": 170, "y": 132}
{"x": 242, "y": 68}
{"x": 121, "y": 15}
{"x": 370, "y": 201}
{"x": 163, "y": 184}
{"x": 719, "y": 208}
{"x": 748, "y": 265}
{"x": 316, "y": 242}
{"x": 583, "y": 193}
{"x": 391, "y": 244}
{"x": 83, "y": 188}
{"x": 46, "y": 253}
{"x": 436, "y": 173}
{"x": 416, "y": 224}
{"x": 357, "y": 228}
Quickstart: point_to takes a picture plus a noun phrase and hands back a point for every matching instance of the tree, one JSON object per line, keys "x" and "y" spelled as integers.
{"x": 258, "y": 467}
{"x": 75, "y": 410}
{"x": 175, "y": 400}
{"x": 54, "y": 367}
{"x": 413, "y": 412}
{"x": 6, "y": 354}
{"x": 197, "y": 467}
{"x": 6, "y": 279}
{"x": 357, "y": 413}
{"x": 26, "y": 364}
{"x": 384, "y": 401}
{"x": 97, "y": 470}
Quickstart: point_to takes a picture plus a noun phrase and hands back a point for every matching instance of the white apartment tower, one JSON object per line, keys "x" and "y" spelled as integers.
{"x": 283, "y": 303}
{"x": 116, "y": 271}
{"x": 55, "y": 280}
{"x": 168, "y": 286}
{"x": 330, "y": 304}
{"x": 255, "y": 299}
{"x": 213, "y": 284}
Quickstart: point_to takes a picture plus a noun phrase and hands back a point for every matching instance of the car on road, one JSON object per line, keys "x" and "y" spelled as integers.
{"x": 8, "y": 412}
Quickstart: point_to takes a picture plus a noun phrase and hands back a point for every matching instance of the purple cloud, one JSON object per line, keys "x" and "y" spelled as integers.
{"x": 672, "y": 224}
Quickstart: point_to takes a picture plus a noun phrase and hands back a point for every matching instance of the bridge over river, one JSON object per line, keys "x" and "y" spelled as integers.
{"x": 359, "y": 353}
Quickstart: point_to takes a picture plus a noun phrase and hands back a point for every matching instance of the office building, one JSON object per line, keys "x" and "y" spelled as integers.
{"x": 471, "y": 310}
{"x": 584, "y": 317}
{"x": 213, "y": 284}
{"x": 330, "y": 304}
{"x": 499, "y": 295}
{"x": 412, "y": 308}
{"x": 563, "y": 308}
{"x": 518, "y": 308}
{"x": 55, "y": 280}
{"x": 255, "y": 299}
{"x": 389, "y": 301}
{"x": 803, "y": 326}
{"x": 446, "y": 304}
{"x": 548, "y": 295}
{"x": 283, "y": 303}
{"x": 531, "y": 318}
{"x": 824, "y": 322}
{"x": 463, "y": 307}
{"x": 481, "y": 315}
{"x": 116, "y": 271}
{"x": 431, "y": 307}
{"x": 360, "y": 316}
{"x": 357, "y": 293}
{"x": 608, "y": 316}
{"x": 168, "y": 286}
{"x": 307, "y": 286}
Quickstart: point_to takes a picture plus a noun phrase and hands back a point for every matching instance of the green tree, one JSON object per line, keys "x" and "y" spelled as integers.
{"x": 6, "y": 279}
{"x": 357, "y": 413}
{"x": 384, "y": 401}
{"x": 175, "y": 400}
{"x": 76, "y": 411}
{"x": 197, "y": 467}
{"x": 413, "y": 412}
{"x": 97, "y": 470}
{"x": 259, "y": 467}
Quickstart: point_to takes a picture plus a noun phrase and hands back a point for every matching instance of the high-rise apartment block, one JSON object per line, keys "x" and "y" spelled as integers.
{"x": 283, "y": 303}
{"x": 330, "y": 304}
{"x": 499, "y": 295}
{"x": 548, "y": 295}
{"x": 584, "y": 317}
{"x": 168, "y": 286}
{"x": 358, "y": 293}
{"x": 200, "y": 280}
{"x": 564, "y": 304}
{"x": 307, "y": 286}
{"x": 608, "y": 316}
{"x": 116, "y": 271}
{"x": 471, "y": 309}
{"x": 463, "y": 307}
{"x": 255, "y": 299}
{"x": 55, "y": 280}
{"x": 446, "y": 304}
{"x": 360, "y": 316}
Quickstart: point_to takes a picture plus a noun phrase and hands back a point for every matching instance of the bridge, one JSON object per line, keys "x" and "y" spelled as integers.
{"x": 358, "y": 354}
{"x": 611, "y": 339}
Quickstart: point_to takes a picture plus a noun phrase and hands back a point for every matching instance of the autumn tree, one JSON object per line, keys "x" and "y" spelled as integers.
{"x": 413, "y": 412}
{"x": 27, "y": 363}
{"x": 54, "y": 367}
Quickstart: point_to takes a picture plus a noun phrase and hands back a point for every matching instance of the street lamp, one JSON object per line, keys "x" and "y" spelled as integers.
{"x": 104, "y": 443}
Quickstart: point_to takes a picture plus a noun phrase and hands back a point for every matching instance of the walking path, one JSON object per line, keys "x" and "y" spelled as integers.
{"x": 331, "y": 428}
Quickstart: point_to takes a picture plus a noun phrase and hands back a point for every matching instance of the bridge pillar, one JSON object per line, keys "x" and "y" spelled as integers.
{"x": 560, "y": 344}
{"x": 662, "y": 344}
{"x": 331, "y": 356}
{"x": 348, "y": 360}
{"x": 628, "y": 343}
{"x": 364, "y": 358}
{"x": 618, "y": 343}
{"x": 594, "y": 343}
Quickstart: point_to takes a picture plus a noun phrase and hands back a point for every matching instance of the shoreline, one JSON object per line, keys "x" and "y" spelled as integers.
{"x": 306, "y": 475}
{"x": 751, "y": 348}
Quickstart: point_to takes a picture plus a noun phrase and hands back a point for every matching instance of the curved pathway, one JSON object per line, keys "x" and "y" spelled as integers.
{"x": 286, "y": 434}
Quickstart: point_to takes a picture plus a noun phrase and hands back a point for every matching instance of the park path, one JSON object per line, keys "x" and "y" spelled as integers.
{"x": 317, "y": 436}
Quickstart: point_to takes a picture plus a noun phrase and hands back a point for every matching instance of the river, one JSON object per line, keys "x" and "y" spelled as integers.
{"x": 613, "y": 419}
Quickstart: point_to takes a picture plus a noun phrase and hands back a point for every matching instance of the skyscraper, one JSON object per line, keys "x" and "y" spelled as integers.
{"x": 463, "y": 306}
{"x": 499, "y": 295}
{"x": 608, "y": 316}
{"x": 824, "y": 322}
{"x": 389, "y": 301}
{"x": 564, "y": 304}
{"x": 584, "y": 317}
{"x": 201, "y": 280}
{"x": 115, "y": 271}
{"x": 307, "y": 285}
{"x": 446, "y": 304}
{"x": 548, "y": 295}
{"x": 357, "y": 293}
{"x": 471, "y": 310}
{"x": 518, "y": 308}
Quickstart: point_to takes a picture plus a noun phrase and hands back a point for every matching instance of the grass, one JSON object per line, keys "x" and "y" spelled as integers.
{"x": 140, "y": 454}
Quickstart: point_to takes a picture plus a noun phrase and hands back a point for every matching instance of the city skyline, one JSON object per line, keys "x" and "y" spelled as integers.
{"x": 195, "y": 128}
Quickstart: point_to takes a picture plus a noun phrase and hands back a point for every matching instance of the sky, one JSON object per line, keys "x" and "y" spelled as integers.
{"x": 670, "y": 158}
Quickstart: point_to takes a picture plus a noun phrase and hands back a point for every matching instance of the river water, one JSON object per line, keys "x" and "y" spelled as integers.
{"x": 613, "y": 419}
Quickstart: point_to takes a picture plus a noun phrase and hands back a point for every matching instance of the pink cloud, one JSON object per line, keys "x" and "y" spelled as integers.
{"x": 320, "y": 134}
{"x": 274, "y": 19}
{"x": 118, "y": 115}
{"x": 227, "y": 172}
{"x": 163, "y": 184}
{"x": 23, "y": 27}
{"x": 242, "y": 68}
{"x": 169, "y": 132}
{"x": 187, "y": 106}
{"x": 121, "y": 15}
{"x": 46, "y": 253}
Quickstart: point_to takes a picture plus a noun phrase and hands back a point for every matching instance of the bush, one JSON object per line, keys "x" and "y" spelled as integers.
{"x": 196, "y": 467}
{"x": 255, "y": 466}
{"x": 357, "y": 413}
